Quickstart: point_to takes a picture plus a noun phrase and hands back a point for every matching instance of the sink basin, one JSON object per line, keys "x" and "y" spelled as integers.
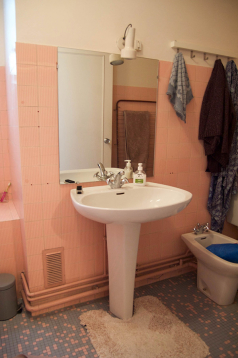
{"x": 130, "y": 203}
{"x": 123, "y": 210}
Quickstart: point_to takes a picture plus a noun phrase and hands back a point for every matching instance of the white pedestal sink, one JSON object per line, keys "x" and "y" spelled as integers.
{"x": 123, "y": 210}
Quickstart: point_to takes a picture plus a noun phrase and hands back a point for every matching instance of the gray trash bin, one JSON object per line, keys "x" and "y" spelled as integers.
{"x": 8, "y": 298}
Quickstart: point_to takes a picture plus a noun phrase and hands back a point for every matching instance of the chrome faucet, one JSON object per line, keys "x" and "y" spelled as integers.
{"x": 102, "y": 174}
{"x": 115, "y": 181}
{"x": 200, "y": 229}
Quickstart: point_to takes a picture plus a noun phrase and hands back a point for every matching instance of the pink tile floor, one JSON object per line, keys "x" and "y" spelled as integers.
{"x": 60, "y": 333}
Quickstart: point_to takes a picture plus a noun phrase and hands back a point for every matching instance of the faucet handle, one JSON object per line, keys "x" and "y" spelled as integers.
{"x": 205, "y": 227}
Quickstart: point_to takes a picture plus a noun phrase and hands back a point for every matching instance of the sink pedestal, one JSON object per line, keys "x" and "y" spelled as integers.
{"x": 122, "y": 246}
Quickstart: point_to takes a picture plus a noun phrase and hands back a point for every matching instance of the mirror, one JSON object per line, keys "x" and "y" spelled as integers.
{"x": 92, "y": 97}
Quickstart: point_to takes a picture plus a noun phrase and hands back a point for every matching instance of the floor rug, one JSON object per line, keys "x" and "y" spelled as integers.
{"x": 152, "y": 332}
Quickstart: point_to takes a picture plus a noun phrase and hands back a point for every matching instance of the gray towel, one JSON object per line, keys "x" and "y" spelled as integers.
{"x": 179, "y": 89}
{"x": 137, "y": 127}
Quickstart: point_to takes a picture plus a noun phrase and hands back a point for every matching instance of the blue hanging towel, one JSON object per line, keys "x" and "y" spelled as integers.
{"x": 228, "y": 252}
{"x": 179, "y": 89}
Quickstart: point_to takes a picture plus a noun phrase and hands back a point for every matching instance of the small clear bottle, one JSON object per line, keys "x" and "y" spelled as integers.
{"x": 139, "y": 177}
{"x": 128, "y": 169}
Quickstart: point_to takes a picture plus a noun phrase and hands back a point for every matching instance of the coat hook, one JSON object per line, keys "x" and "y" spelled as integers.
{"x": 177, "y": 50}
{"x": 192, "y": 55}
{"x": 205, "y": 57}
{"x": 216, "y": 57}
{"x": 228, "y": 59}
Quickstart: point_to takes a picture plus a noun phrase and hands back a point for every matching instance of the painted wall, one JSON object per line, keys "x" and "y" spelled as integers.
{"x": 97, "y": 25}
{"x": 2, "y": 47}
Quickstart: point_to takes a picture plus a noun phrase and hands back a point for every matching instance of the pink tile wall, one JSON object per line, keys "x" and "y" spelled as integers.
{"x": 5, "y": 175}
{"x": 180, "y": 162}
{"x": 49, "y": 217}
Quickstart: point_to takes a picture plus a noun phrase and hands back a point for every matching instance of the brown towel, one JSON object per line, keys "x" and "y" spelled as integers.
{"x": 137, "y": 128}
{"x": 217, "y": 120}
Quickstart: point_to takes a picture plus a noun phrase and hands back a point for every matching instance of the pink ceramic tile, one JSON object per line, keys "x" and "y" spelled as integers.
{"x": 199, "y": 89}
{"x": 69, "y": 224}
{"x": 202, "y": 74}
{"x": 3, "y": 89}
{"x": 52, "y": 227}
{"x": 8, "y": 266}
{"x": 32, "y": 194}
{"x": 3, "y": 103}
{"x": 2, "y": 73}
{"x": 171, "y": 166}
{"x": 165, "y": 68}
{"x": 35, "y": 246}
{"x": 197, "y": 149}
{"x": 28, "y": 116}
{"x": 185, "y": 150}
{"x": 27, "y": 96}
{"x": 197, "y": 104}
{"x": 33, "y": 212}
{"x": 5, "y": 213}
{"x": 50, "y": 155}
{"x": 163, "y": 85}
{"x": 7, "y": 251}
{"x": 99, "y": 260}
{"x": 170, "y": 179}
{"x": 160, "y": 151}
{"x": 72, "y": 255}
{"x": 30, "y": 156}
{"x": 49, "y": 136}
{"x": 33, "y": 229}
{"x": 26, "y": 53}
{"x": 183, "y": 180}
{"x": 47, "y": 55}
{"x": 29, "y": 136}
{"x": 52, "y": 241}
{"x": 4, "y": 132}
{"x": 6, "y": 233}
{"x": 173, "y": 150}
{"x": 48, "y": 96}
{"x": 52, "y": 210}
{"x": 70, "y": 240}
{"x": 36, "y": 278}
{"x": 184, "y": 165}
{"x": 191, "y": 69}
{"x": 162, "y": 135}
{"x": 51, "y": 192}
{"x": 31, "y": 175}
{"x": 35, "y": 263}
{"x": 50, "y": 174}
{"x": 162, "y": 119}
{"x": 48, "y": 116}
{"x": 173, "y": 120}
{"x": 194, "y": 179}
{"x": 86, "y": 269}
{"x": 163, "y": 103}
{"x": 67, "y": 207}
{"x": 173, "y": 135}
{"x": 3, "y": 118}
{"x": 47, "y": 76}
{"x": 26, "y": 75}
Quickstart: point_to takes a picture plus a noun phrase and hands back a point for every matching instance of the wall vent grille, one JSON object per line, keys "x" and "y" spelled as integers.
{"x": 53, "y": 265}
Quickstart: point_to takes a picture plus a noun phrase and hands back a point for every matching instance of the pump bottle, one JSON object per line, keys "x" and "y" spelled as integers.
{"x": 139, "y": 177}
{"x": 128, "y": 169}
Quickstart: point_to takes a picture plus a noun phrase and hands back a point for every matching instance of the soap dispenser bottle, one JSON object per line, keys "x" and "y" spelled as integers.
{"x": 139, "y": 177}
{"x": 128, "y": 169}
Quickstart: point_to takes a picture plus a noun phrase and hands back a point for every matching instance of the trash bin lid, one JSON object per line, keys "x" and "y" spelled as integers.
{"x": 6, "y": 281}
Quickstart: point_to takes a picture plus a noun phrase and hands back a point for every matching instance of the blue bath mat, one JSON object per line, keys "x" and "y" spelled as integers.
{"x": 228, "y": 252}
